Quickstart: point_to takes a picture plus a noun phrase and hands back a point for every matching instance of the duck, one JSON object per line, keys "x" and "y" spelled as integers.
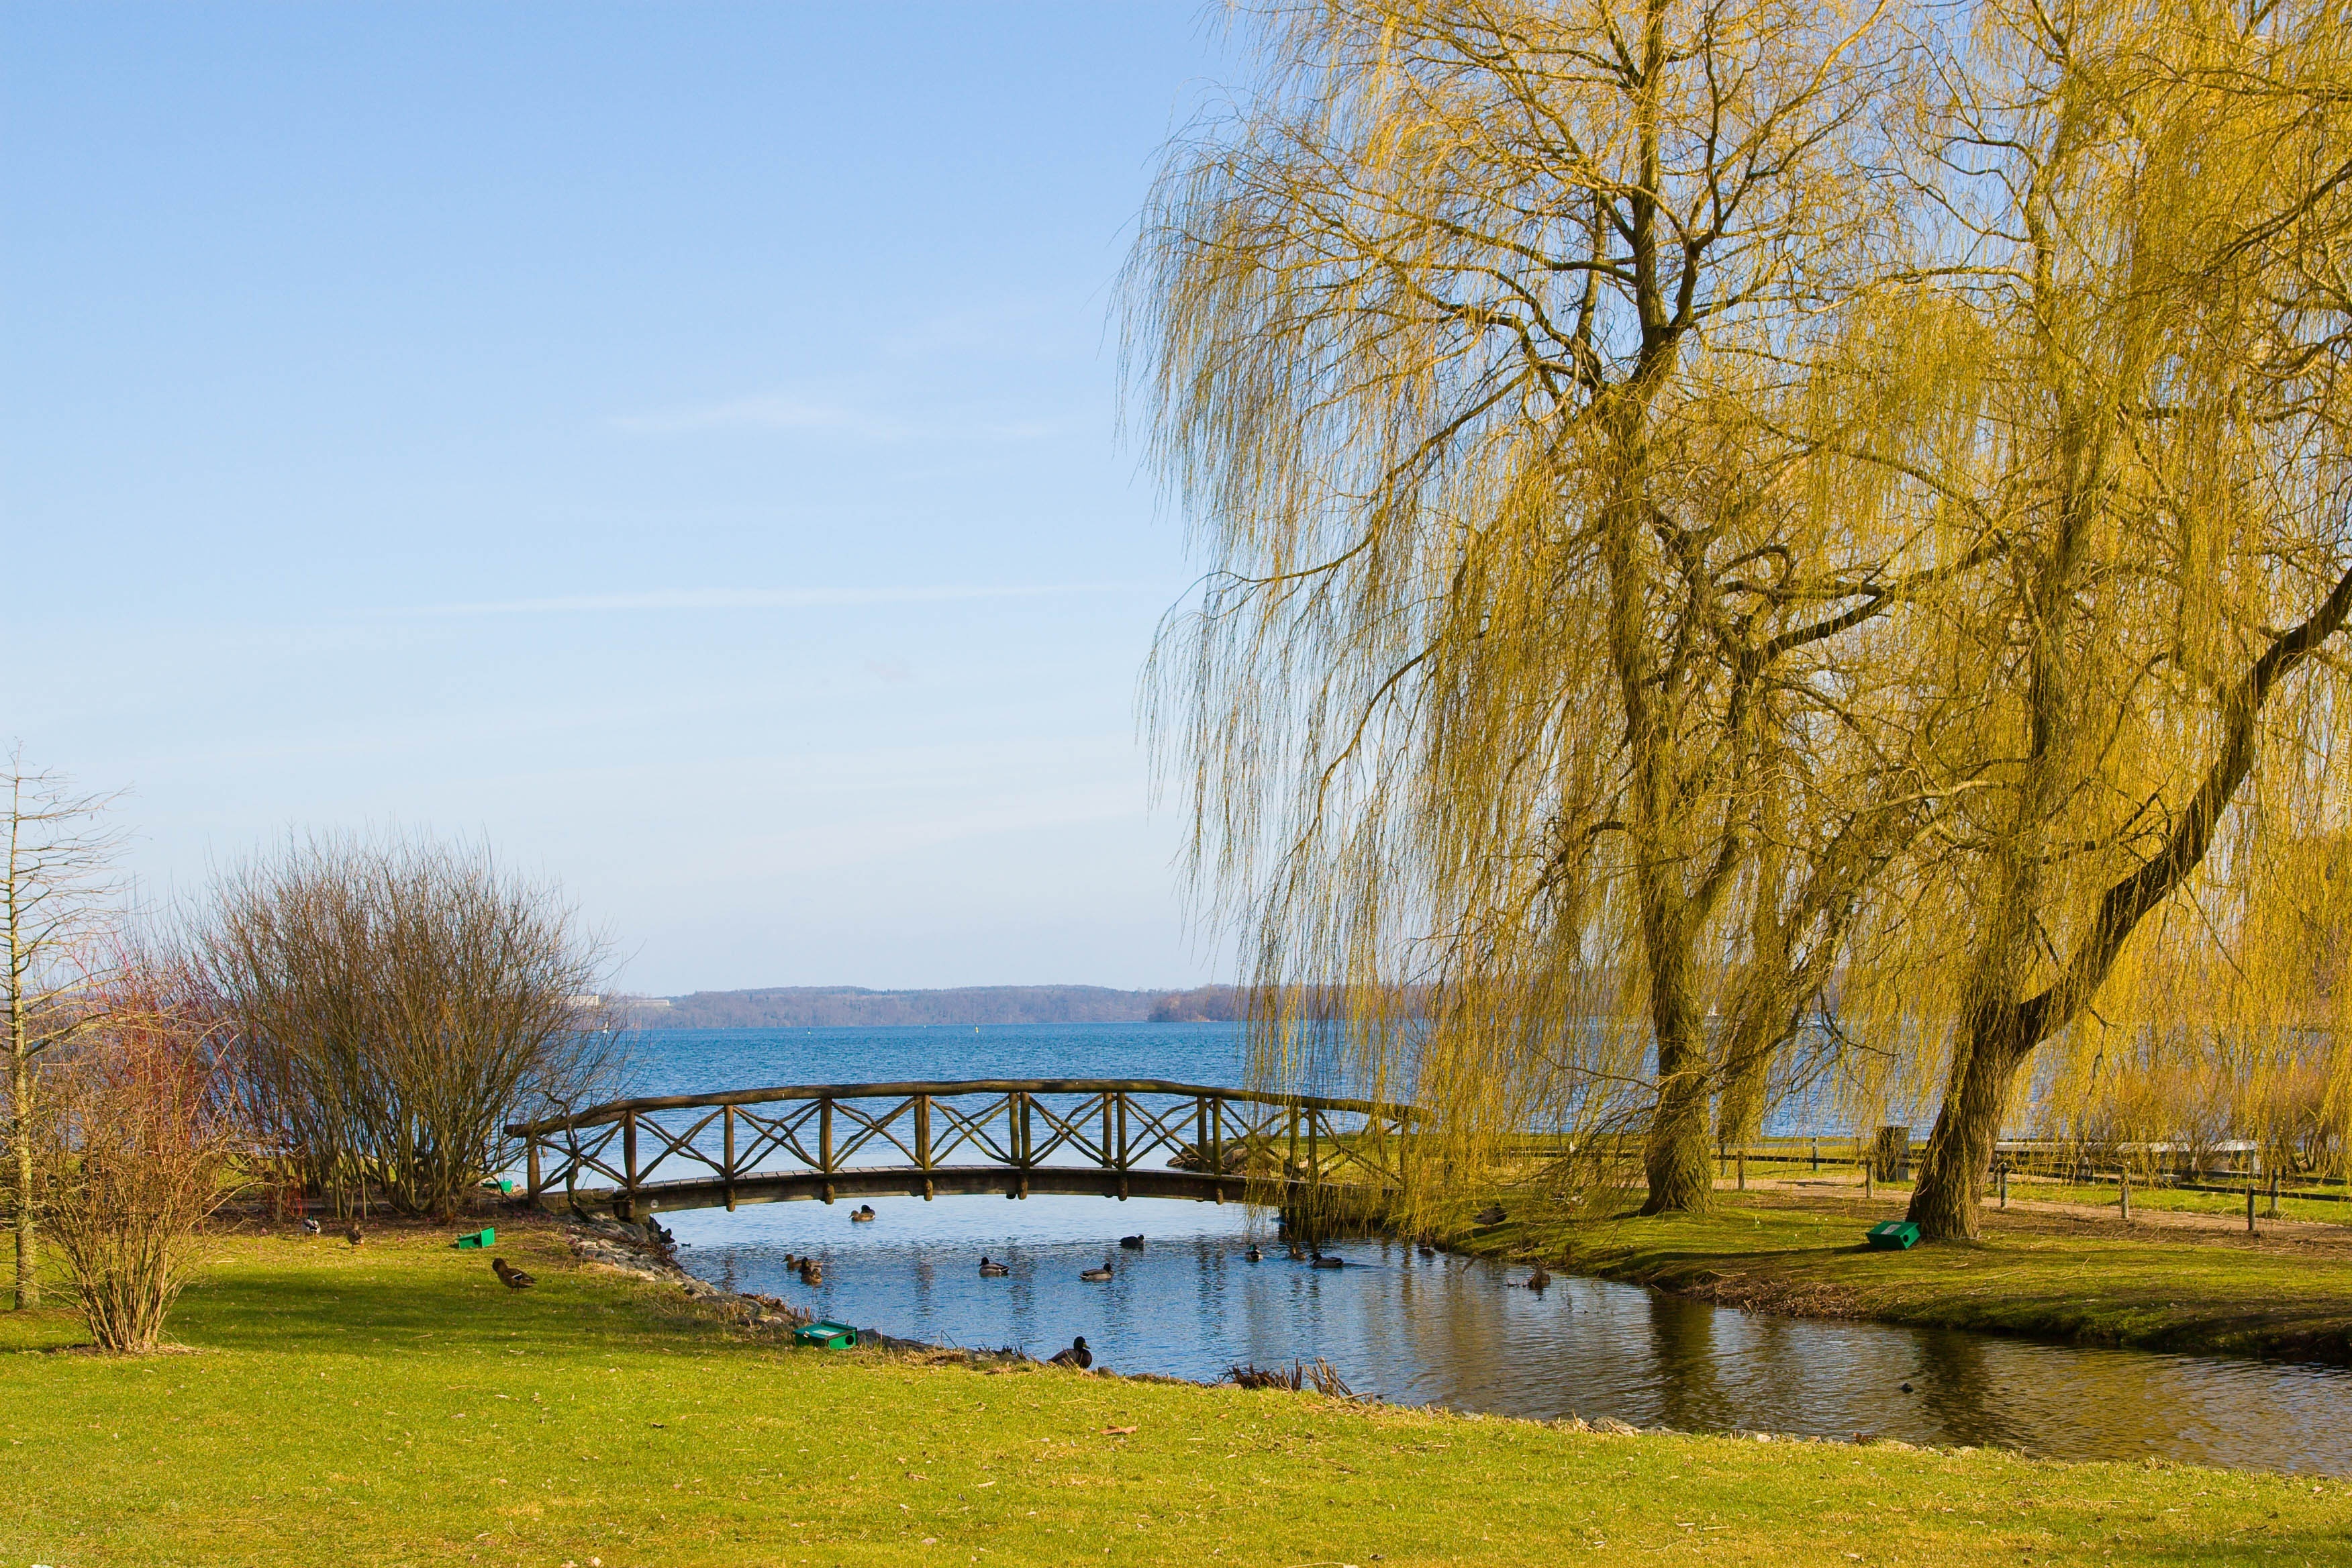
{"x": 811, "y": 1271}
{"x": 355, "y": 1235}
{"x": 1297, "y": 1253}
{"x": 1254, "y": 1255}
{"x": 1097, "y": 1274}
{"x": 862, "y": 1214}
{"x": 309, "y": 1225}
{"x": 1132, "y": 1243}
{"x": 1491, "y": 1214}
{"x": 1539, "y": 1278}
{"x": 989, "y": 1271}
{"x": 513, "y": 1278}
{"x": 1325, "y": 1260}
{"x": 1426, "y": 1249}
{"x": 1078, "y": 1355}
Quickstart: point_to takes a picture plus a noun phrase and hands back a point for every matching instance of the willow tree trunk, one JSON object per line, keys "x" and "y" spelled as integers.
{"x": 1947, "y": 1202}
{"x": 1675, "y": 1154}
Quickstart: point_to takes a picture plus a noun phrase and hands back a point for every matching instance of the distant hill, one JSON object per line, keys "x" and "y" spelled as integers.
{"x": 838, "y": 1006}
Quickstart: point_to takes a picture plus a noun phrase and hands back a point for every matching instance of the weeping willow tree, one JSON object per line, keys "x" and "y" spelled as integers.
{"x": 2145, "y": 210}
{"x": 1545, "y": 382}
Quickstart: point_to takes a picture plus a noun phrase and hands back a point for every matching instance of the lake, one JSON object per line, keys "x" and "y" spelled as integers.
{"x": 1443, "y": 1331}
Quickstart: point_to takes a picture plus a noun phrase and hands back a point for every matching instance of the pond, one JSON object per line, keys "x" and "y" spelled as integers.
{"x": 1437, "y": 1330}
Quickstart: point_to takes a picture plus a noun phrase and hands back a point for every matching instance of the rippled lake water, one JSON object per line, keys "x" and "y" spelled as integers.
{"x": 1439, "y": 1330}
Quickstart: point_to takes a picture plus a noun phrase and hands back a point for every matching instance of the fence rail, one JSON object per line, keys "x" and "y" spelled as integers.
{"x": 1116, "y": 1138}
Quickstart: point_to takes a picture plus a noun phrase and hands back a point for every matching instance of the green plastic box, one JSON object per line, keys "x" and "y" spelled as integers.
{"x": 1893, "y": 1235}
{"x": 486, "y": 1236}
{"x": 824, "y": 1335}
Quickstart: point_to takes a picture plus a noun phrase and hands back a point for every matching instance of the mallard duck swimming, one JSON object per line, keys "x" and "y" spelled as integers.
{"x": 862, "y": 1214}
{"x": 1539, "y": 1278}
{"x": 1297, "y": 1253}
{"x": 1132, "y": 1243}
{"x": 811, "y": 1271}
{"x": 1325, "y": 1260}
{"x": 992, "y": 1270}
{"x": 1102, "y": 1273}
{"x": 512, "y": 1278}
{"x": 1078, "y": 1355}
{"x": 1426, "y": 1250}
{"x": 1254, "y": 1255}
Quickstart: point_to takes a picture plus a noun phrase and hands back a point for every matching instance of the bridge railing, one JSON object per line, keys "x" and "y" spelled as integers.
{"x": 806, "y": 1140}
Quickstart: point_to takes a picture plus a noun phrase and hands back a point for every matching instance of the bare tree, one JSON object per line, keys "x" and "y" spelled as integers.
{"x": 54, "y": 892}
{"x": 399, "y": 1003}
{"x": 139, "y": 1142}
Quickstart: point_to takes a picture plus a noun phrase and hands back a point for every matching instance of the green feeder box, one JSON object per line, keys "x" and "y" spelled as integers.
{"x": 486, "y": 1236}
{"x": 828, "y": 1336}
{"x": 1893, "y": 1235}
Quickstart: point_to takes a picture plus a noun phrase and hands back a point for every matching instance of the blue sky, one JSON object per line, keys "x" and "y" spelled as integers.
{"x": 675, "y": 445}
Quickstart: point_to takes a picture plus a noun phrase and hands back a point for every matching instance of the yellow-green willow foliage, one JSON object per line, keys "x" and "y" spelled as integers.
{"x": 2139, "y": 707}
{"x": 1556, "y": 392}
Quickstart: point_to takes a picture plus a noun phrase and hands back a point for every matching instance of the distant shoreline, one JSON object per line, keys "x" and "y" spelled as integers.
{"x": 851, "y": 1006}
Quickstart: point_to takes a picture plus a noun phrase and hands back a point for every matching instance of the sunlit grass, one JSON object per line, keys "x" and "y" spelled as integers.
{"x": 394, "y": 1405}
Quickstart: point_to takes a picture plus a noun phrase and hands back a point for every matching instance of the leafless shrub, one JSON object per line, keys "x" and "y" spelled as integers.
{"x": 399, "y": 1003}
{"x": 1319, "y": 1374}
{"x": 137, "y": 1145}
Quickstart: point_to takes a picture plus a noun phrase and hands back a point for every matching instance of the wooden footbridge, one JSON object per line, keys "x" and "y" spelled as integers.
{"x": 1110, "y": 1138}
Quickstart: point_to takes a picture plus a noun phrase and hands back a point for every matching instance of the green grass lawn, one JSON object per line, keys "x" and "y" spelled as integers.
{"x": 395, "y": 1406}
{"x": 2285, "y": 1293}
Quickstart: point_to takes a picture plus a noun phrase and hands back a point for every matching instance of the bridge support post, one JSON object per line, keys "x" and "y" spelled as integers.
{"x": 730, "y": 1165}
{"x": 629, "y": 1166}
{"x": 1027, "y": 1156}
{"x": 923, "y": 1141}
{"x": 1120, "y": 1163}
{"x": 825, "y": 1142}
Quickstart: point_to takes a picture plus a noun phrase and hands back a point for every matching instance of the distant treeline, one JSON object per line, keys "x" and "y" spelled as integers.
{"x": 852, "y": 1006}
{"x": 839, "y": 1006}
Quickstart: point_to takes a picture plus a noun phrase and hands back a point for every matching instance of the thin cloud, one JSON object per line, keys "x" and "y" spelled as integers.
{"x": 754, "y": 599}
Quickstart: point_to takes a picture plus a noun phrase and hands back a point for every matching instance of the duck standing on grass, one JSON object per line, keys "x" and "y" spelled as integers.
{"x": 309, "y": 1225}
{"x": 1078, "y": 1355}
{"x": 355, "y": 1235}
{"x": 513, "y": 1278}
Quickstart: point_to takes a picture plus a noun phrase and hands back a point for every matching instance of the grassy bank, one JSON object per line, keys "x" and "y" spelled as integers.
{"x": 395, "y": 1406}
{"x": 2285, "y": 1292}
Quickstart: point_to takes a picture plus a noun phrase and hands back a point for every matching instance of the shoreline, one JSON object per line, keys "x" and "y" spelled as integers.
{"x": 2046, "y": 1271}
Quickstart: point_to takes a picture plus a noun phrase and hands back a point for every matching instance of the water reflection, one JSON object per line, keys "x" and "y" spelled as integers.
{"x": 1444, "y": 1330}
